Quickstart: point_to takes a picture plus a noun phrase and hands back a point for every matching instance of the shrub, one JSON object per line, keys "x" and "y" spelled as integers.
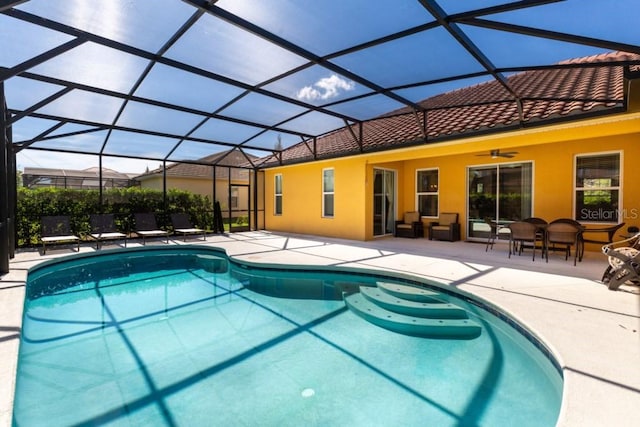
{"x": 32, "y": 204}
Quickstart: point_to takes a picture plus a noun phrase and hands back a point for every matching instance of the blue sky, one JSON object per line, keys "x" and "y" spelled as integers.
{"x": 216, "y": 46}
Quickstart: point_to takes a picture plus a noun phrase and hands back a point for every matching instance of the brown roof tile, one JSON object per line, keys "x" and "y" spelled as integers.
{"x": 232, "y": 158}
{"x": 545, "y": 94}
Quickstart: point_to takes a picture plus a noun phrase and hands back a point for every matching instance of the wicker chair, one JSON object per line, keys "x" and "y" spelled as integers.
{"x": 410, "y": 226}
{"x": 523, "y": 232}
{"x": 447, "y": 228}
{"x": 566, "y": 235}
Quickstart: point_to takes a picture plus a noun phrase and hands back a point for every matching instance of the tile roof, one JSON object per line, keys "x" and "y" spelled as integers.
{"x": 233, "y": 158}
{"x": 546, "y": 94}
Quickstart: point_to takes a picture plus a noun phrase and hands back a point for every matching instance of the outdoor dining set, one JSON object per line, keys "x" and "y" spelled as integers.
{"x": 563, "y": 234}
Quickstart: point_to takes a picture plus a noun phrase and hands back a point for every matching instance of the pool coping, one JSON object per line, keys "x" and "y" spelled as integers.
{"x": 592, "y": 332}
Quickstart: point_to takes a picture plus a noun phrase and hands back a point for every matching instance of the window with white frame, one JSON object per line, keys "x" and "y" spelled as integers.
{"x": 597, "y": 191}
{"x": 277, "y": 194}
{"x": 327, "y": 193}
{"x": 427, "y": 183}
{"x": 234, "y": 198}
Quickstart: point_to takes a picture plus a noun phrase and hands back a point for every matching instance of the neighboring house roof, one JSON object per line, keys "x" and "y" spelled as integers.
{"x": 85, "y": 179}
{"x": 85, "y": 173}
{"x": 546, "y": 95}
{"x": 202, "y": 169}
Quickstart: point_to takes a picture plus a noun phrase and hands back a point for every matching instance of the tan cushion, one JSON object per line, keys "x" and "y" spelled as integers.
{"x": 448, "y": 218}
{"x": 407, "y": 226}
{"x": 410, "y": 217}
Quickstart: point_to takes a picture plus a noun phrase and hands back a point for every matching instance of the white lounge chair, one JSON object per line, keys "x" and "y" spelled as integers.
{"x": 57, "y": 229}
{"x": 146, "y": 227}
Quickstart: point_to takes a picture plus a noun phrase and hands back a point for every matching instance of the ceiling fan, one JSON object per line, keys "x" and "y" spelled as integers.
{"x": 497, "y": 153}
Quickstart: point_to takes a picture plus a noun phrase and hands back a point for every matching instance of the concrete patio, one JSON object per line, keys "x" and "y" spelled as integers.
{"x": 592, "y": 331}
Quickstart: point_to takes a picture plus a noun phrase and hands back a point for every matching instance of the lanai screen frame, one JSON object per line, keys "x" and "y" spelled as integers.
{"x": 439, "y": 15}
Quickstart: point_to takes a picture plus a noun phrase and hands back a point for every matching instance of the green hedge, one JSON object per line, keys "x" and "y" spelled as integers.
{"x": 33, "y": 204}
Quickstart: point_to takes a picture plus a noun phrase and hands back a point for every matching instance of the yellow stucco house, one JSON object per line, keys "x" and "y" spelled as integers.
{"x": 546, "y": 155}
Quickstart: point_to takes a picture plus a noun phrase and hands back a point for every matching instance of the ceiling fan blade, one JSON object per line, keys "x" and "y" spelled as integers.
{"x": 496, "y": 153}
{"x": 508, "y": 154}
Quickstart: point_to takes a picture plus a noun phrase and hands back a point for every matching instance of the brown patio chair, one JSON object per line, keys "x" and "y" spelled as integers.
{"x": 146, "y": 226}
{"x": 57, "y": 229}
{"x": 103, "y": 227}
{"x": 542, "y": 225}
{"x": 566, "y": 235}
{"x": 447, "y": 228}
{"x": 181, "y": 224}
{"x": 410, "y": 226}
{"x": 522, "y": 233}
{"x": 494, "y": 227}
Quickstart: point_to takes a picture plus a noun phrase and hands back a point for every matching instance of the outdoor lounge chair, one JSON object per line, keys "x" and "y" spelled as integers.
{"x": 410, "y": 226}
{"x": 103, "y": 227}
{"x": 624, "y": 262}
{"x": 56, "y": 229}
{"x": 182, "y": 224}
{"x": 447, "y": 228}
{"x": 146, "y": 227}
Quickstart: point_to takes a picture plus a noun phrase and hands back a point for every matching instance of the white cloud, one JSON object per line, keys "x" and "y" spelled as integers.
{"x": 325, "y": 88}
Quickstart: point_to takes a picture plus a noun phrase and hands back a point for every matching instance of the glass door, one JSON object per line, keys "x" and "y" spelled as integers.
{"x": 383, "y": 202}
{"x": 501, "y": 193}
{"x": 239, "y": 208}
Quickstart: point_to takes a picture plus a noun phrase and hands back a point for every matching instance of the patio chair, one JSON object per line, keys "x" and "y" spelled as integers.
{"x": 410, "y": 226}
{"x": 624, "y": 262}
{"x": 447, "y": 228}
{"x": 521, "y": 233}
{"x": 57, "y": 229}
{"x": 103, "y": 227}
{"x": 565, "y": 234}
{"x": 494, "y": 229}
{"x": 146, "y": 227}
{"x": 182, "y": 224}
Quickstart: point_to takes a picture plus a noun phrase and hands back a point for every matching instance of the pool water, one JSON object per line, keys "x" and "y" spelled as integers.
{"x": 184, "y": 336}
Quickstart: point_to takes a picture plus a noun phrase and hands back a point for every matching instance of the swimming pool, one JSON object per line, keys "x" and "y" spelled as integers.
{"x": 185, "y": 336}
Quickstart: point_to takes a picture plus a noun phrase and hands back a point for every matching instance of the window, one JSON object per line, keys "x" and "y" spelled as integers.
{"x": 427, "y": 192}
{"x": 278, "y": 195}
{"x": 234, "y": 198}
{"x": 597, "y": 187}
{"x": 327, "y": 193}
{"x": 500, "y": 192}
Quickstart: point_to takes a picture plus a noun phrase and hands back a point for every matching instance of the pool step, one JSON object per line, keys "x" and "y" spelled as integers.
{"x": 411, "y": 293}
{"x": 383, "y": 306}
{"x": 439, "y": 310}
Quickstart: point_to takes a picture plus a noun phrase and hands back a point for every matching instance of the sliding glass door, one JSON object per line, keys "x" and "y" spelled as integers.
{"x": 384, "y": 183}
{"x": 500, "y": 192}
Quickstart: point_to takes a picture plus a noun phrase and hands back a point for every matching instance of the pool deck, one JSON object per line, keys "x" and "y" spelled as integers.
{"x": 593, "y": 332}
